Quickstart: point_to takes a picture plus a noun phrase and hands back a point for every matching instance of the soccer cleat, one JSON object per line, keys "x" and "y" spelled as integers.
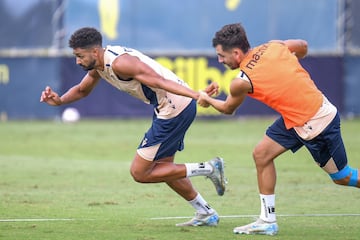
{"x": 211, "y": 219}
{"x": 217, "y": 176}
{"x": 258, "y": 227}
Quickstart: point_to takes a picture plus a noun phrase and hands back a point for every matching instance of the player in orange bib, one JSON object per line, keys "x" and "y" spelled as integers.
{"x": 272, "y": 74}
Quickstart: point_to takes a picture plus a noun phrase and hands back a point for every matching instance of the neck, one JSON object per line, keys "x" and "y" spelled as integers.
{"x": 100, "y": 60}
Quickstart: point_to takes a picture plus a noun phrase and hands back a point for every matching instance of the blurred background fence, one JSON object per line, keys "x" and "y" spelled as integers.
{"x": 178, "y": 34}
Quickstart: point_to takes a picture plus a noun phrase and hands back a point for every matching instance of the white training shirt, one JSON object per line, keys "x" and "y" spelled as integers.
{"x": 166, "y": 105}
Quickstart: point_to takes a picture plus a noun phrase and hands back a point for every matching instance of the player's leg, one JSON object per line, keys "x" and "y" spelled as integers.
{"x": 205, "y": 215}
{"x": 149, "y": 171}
{"x": 164, "y": 170}
{"x": 329, "y": 151}
{"x": 347, "y": 176}
{"x": 264, "y": 154}
{"x": 153, "y": 161}
{"x": 174, "y": 175}
{"x": 276, "y": 141}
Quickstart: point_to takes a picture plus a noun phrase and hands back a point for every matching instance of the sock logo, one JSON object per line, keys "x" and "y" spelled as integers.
{"x": 201, "y": 165}
{"x": 271, "y": 209}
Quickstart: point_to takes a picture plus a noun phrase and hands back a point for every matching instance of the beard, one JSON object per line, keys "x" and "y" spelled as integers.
{"x": 89, "y": 67}
{"x": 232, "y": 65}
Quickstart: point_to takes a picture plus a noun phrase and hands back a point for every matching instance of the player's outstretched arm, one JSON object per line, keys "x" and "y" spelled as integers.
{"x": 129, "y": 66}
{"x": 238, "y": 91}
{"x": 73, "y": 94}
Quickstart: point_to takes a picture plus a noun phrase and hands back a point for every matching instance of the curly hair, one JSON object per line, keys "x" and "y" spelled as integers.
{"x": 86, "y": 37}
{"x": 231, "y": 36}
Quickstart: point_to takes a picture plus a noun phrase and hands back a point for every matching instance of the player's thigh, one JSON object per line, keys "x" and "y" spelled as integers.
{"x": 267, "y": 149}
{"x": 277, "y": 140}
{"x": 141, "y": 166}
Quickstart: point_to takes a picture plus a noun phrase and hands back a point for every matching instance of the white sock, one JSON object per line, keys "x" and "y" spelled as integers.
{"x": 200, "y": 205}
{"x": 268, "y": 208}
{"x": 198, "y": 169}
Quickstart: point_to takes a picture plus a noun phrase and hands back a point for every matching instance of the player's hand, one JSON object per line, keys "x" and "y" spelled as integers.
{"x": 50, "y": 97}
{"x": 212, "y": 89}
{"x": 202, "y": 100}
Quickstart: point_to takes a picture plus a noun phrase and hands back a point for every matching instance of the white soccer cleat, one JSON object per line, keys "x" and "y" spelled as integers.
{"x": 201, "y": 220}
{"x": 217, "y": 176}
{"x": 258, "y": 227}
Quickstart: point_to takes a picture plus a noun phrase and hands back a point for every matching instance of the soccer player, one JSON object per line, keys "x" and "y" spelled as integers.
{"x": 272, "y": 74}
{"x": 174, "y": 110}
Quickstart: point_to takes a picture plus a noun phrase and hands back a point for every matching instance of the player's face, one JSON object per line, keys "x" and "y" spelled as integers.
{"x": 85, "y": 58}
{"x": 228, "y": 58}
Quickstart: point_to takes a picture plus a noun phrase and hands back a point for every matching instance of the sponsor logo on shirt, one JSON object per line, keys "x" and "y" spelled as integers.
{"x": 256, "y": 56}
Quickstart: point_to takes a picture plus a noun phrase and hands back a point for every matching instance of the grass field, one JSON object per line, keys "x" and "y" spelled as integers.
{"x": 72, "y": 181}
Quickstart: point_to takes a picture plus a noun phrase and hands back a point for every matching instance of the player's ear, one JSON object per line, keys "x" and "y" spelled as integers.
{"x": 237, "y": 52}
{"x": 95, "y": 51}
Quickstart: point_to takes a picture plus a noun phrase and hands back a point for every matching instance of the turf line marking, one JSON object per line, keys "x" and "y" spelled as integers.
{"x": 279, "y": 215}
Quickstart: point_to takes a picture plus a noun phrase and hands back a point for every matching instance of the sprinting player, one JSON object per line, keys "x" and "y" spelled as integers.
{"x": 272, "y": 74}
{"x": 174, "y": 110}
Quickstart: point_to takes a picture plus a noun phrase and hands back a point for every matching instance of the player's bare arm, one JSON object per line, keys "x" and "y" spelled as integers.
{"x": 297, "y": 46}
{"x": 238, "y": 91}
{"x": 127, "y": 66}
{"x": 73, "y": 94}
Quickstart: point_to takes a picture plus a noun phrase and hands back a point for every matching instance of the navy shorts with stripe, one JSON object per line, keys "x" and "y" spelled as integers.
{"x": 169, "y": 132}
{"x": 326, "y": 145}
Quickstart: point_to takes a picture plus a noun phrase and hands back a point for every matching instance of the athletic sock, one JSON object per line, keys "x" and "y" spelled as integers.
{"x": 268, "y": 208}
{"x": 200, "y": 205}
{"x": 198, "y": 169}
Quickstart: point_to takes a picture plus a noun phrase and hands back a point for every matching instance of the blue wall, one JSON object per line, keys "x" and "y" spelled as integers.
{"x": 190, "y": 25}
{"x": 21, "y": 83}
{"x": 167, "y": 25}
{"x": 352, "y": 85}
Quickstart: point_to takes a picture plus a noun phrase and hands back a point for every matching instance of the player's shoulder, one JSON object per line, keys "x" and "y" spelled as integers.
{"x": 243, "y": 76}
{"x": 117, "y": 50}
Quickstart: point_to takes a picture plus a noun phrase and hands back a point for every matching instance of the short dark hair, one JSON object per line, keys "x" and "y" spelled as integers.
{"x": 85, "y": 38}
{"x": 231, "y": 36}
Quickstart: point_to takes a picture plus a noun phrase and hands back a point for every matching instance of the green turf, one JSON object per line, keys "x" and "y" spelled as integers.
{"x": 78, "y": 176}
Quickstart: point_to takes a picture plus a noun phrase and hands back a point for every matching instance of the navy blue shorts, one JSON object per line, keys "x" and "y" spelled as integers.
{"x": 328, "y": 144}
{"x": 169, "y": 133}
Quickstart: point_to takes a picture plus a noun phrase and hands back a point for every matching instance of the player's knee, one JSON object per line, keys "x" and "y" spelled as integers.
{"x": 260, "y": 158}
{"x": 346, "y": 177}
{"x": 257, "y": 155}
{"x": 139, "y": 179}
{"x": 138, "y": 176}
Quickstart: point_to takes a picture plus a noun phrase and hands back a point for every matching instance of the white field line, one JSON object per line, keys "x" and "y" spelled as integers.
{"x": 182, "y": 217}
{"x": 279, "y": 215}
